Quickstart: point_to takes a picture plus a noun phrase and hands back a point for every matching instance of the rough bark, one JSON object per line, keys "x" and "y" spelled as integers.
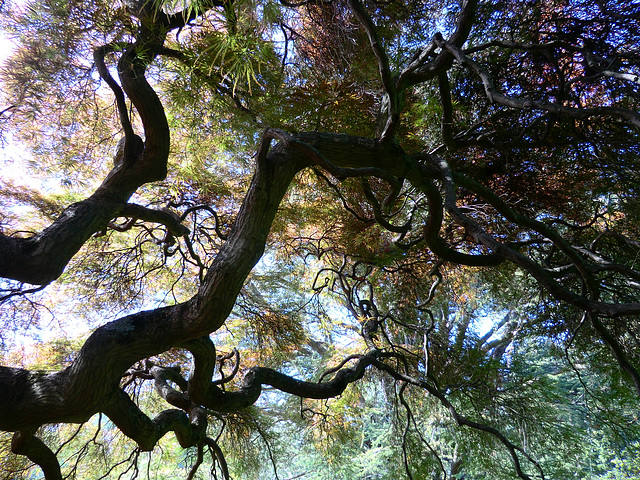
{"x": 40, "y": 259}
{"x": 91, "y": 384}
{"x": 79, "y": 391}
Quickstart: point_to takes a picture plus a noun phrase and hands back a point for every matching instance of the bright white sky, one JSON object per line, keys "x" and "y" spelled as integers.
{"x": 12, "y": 160}
{"x": 10, "y": 155}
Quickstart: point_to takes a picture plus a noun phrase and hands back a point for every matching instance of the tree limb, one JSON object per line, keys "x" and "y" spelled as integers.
{"x": 26, "y": 443}
{"x": 495, "y": 96}
{"x": 394, "y": 107}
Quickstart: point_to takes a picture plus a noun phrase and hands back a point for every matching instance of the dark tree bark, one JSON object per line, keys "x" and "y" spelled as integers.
{"x": 91, "y": 384}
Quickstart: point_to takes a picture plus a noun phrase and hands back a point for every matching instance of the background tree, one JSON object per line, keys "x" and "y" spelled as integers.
{"x": 443, "y": 195}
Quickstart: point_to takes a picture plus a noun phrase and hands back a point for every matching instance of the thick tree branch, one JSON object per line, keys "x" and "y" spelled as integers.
{"x": 25, "y": 443}
{"x": 203, "y": 366}
{"x": 165, "y": 217}
{"x": 41, "y": 258}
{"x": 125, "y": 414}
{"x": 432, "y": 229}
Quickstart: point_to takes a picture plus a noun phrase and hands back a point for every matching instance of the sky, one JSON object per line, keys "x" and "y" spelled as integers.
{"x": 12, "y": 159}
{"x": 10, "y": 155}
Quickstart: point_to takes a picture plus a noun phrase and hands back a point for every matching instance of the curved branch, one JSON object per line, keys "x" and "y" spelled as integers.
{"x": 26, "y": 443}
{"x": 495, "y": 96}
{"x": 377, "y": 211}
{"x": 315, "y": 157}
{"x": 432, "y": 233}
{"x": 219, "y": 457}
{"x": 165, "y": 217}
{"x": 161, "y": 376}
{"x": 256, "y": 377}
{"x": 394, "y": 107}
{"x": 236, "y": 367}
{"x": 98, "y": 57}
{"x": 42, "y": 258}
{"x": 419, "y": 71}
{"x": 216, "y": 218}
{"x": 131, "y": 421}
{"x": 132, "y": 66}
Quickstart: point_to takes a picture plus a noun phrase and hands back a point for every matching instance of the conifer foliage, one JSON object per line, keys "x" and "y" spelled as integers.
{"x": 340, "y": 238}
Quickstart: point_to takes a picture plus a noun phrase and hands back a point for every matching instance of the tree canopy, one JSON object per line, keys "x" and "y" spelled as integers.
{"x": 321, "y": 239}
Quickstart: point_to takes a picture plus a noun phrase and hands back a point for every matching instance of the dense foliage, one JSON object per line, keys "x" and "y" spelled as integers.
{"x": 320, "y": 239}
